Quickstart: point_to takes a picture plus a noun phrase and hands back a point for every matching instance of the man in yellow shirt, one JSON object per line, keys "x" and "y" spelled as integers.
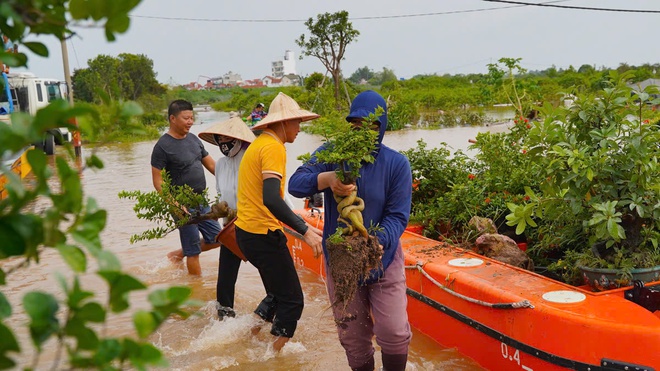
{"x": 261, "y": 208}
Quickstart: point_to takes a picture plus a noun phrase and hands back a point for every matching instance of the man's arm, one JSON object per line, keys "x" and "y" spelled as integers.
{"x": 397, "y": 208}
{"x": 157, "y": 178}
{"x": 276, "y": 205}
{"x": 305, "y": 180}
{"x": 328, "y": 179}
{"x": 209, "y": 164}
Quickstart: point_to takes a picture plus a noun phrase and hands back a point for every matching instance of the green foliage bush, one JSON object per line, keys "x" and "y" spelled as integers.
{"x": 452, "y": 188}
{"x": 600, "y": 168}
{"x": 70, "y": 223}
{"x": 168, "y": 208}
{"x": 581, "y": 177}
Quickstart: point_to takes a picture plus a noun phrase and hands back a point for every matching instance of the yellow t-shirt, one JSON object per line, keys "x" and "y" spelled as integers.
{"x": 266, "y": 155}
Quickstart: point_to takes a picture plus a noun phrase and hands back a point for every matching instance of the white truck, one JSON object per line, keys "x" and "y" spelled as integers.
{"x": 30, "y": 93}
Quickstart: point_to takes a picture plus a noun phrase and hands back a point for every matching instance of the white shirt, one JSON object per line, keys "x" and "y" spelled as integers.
{"x": 226, "y": 178}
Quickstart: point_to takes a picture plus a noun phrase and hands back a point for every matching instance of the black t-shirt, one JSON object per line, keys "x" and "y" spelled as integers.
{"x": 182, "y": 158}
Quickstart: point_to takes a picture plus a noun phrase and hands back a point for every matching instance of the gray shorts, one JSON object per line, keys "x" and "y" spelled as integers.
{"x": 189, "y": 234}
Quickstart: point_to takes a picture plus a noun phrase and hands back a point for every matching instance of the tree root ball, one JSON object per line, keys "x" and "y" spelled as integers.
{"x": 350, "y": 262}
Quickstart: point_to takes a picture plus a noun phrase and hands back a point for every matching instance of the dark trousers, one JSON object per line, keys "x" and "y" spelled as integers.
{"x": 270, "y": 255}
{"x": 227, "y": 274}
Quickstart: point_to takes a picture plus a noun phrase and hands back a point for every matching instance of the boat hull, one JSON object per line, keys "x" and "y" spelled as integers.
{"x": 451, "y": 299}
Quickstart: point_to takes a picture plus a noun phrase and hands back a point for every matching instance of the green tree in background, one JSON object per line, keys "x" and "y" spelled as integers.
{"x": 138, "y": 76}
{"x": 69, "y": 322}
{"x": 382, "y": 77}
{"x": 102, "y": 75}
{"x": 127, "y": 77}
{"x": 363, "y": 73}
{"x": 314, "y": 81}
{"x": 329, "y": 36}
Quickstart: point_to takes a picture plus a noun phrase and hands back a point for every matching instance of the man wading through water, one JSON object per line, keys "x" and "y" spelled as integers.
{"x": 261, "y": 207}
{"x": 379, "y": 305}
{"x": 183, "y": 156}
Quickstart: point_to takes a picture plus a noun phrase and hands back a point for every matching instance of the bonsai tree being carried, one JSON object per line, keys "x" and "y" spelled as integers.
{"x": 353, "y": 251}
{"x": 169, "y": 208}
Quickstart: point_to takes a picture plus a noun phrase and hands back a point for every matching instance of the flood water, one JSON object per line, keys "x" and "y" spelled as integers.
{"x": 201, "y": 342}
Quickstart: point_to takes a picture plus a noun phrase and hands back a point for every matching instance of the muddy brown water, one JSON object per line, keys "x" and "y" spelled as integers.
{"x": 200, "y": 342}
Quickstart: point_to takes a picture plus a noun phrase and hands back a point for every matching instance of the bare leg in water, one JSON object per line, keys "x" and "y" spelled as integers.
{"x": 279, "y": 342}
{"x": 176, "y": 256}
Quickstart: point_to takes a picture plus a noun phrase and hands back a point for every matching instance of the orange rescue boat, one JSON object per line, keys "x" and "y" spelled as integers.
{"x": 507, "y": 318}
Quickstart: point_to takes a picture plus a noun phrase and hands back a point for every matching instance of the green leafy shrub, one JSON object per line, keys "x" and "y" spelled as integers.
{"x": 452, "y": 188}
{"x": 600, "y": 180}
{"x": 70, "y": 223}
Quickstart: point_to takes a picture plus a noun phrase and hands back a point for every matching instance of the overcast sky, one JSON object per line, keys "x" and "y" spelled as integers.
{"x": 404, "y": 36}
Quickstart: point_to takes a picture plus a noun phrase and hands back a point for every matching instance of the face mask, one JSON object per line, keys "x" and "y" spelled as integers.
{"x": 229, "y": 148}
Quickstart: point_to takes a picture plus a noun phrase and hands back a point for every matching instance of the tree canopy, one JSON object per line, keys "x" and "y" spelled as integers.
{"x": 68, "y": 320}
{"x": 330, "y": 34}
{"x": 126, "y": 77}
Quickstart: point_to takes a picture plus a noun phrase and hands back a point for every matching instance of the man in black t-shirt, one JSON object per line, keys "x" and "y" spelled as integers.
{"x": 183, "y": 156}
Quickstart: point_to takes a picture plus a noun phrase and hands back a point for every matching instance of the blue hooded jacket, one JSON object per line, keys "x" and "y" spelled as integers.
{"x": 385, "y": 186}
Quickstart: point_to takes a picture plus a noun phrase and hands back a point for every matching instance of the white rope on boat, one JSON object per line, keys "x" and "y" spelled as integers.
{"x": 516, "y": 305}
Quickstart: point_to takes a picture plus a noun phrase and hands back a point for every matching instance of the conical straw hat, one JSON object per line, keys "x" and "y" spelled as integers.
{"x": 284, "y": 108}
{"x": 234, "y": 127}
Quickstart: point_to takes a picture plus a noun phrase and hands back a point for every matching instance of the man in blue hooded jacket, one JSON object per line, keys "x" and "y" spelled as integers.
{"x": 379, "y": 306}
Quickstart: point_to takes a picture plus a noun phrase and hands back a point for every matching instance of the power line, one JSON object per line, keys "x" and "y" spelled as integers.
{"x": 351, "y": 18}
{"x": 574, "y": 7}
{"x": 74, "y": 52}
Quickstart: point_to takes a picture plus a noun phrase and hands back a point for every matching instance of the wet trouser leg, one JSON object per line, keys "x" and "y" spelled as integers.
{"x": 270, "y": 255}
{"x": 227, "y": 273}
{"x": 369, "y": 366}
{"x": 377, "y": 309}
{"x": 394, "y": 362}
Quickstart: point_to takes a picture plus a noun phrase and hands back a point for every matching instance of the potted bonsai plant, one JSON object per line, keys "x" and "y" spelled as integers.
{"x": 600, "y": 192}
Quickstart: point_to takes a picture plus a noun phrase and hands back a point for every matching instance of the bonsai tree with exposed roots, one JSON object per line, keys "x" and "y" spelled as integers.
{"x": 353, "y": 249}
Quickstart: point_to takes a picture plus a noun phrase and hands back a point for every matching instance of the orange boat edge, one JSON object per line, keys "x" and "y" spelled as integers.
{"x": 507, "y": 318}
{"x": 19, "y": 166}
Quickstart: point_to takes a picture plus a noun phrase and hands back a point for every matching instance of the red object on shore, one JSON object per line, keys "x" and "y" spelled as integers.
{"x": 415, "y": 228}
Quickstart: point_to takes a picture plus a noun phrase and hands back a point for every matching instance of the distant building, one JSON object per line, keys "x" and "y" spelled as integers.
{"x": 286, "y": 80}
{"x": 291, "y": 80}
{"x": 644, "y": 84}
{"x": 287, "y": 66}
{"x": 256, "y": 83}
{"x": 271, "y": 81}
{"x": 193, "y": 86}
{"x": 226, "y": 80}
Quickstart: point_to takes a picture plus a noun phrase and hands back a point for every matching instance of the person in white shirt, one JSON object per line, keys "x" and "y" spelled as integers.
{"x": 232, "y": 137}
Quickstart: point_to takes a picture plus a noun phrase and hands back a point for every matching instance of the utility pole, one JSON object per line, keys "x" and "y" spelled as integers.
{"x": 77, "y": 142}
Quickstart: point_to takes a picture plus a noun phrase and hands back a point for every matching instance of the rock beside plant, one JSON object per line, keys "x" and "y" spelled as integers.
{"x": 482, "y": 225}
{"x": 504, "y": 249}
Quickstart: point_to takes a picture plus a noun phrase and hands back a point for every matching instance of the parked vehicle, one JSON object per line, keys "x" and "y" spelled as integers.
{"x": 30, "y": 93}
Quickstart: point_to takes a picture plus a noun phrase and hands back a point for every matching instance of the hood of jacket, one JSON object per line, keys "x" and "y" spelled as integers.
{"x": 365, "y": 104}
